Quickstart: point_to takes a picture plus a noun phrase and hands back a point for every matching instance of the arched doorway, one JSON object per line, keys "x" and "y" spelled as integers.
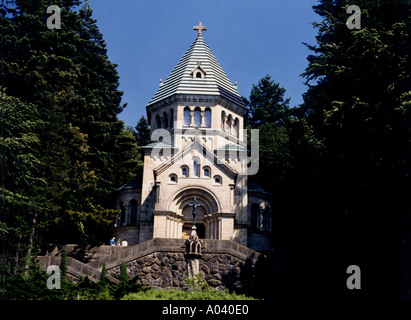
{"x": 180, "y": 205}
{"x": 187, "y": 230}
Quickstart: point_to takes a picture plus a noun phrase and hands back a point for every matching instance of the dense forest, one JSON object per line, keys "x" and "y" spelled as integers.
{"x": 63, "y": 149}
{"x": 337, "y": 166}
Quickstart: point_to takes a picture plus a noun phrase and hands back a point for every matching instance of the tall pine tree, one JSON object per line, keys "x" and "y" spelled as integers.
{"x": 358, "y": 104}
{"x": 84, "y": 150}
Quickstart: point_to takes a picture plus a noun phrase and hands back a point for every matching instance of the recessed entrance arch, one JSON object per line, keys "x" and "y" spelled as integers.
{"x": 201, "y": 230}
{"x": 180, "y": 205}
{"x": 186, "y": 196}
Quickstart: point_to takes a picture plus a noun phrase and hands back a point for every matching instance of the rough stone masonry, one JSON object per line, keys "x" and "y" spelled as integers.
{"x": 169, "y": 270}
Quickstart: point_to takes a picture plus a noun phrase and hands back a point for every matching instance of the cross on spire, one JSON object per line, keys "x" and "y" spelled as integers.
{"x": 200, "y": 28}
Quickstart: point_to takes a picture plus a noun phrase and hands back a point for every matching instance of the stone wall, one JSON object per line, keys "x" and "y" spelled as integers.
{"x": 226, "y": 269}
{"x": 131, "y": 234}
{"x": 158, "y": 270}
{"x": 161, "y": 263}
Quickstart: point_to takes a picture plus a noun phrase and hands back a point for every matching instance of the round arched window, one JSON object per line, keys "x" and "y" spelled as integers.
{"x": 173, "y": 178}
{"x": 207, "y": 172}
{"x": 207, "y": 118}
{"x": 187, "y": 116}
{"x": 184, "y": 171}
{"x": 218, "y": 180}
{"x": 197, "y": 117}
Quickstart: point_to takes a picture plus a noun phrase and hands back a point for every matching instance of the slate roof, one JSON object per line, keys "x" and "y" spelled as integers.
{"x": 255, "y": 187}
{"x": 182, "y": 81}
{"x": 133, "y": 184}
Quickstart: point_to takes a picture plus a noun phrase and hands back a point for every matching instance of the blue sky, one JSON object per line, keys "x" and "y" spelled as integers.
{"x": 250, "y": 38}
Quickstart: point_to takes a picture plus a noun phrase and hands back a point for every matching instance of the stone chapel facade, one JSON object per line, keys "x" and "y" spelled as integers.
{"x": 197, "y": 150}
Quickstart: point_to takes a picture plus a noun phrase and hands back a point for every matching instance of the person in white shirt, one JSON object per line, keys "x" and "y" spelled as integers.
{"x": 124, "y": 243}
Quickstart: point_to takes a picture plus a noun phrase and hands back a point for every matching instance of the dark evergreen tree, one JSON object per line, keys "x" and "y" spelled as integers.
{"x": 84, "y": 151}
{"x": 358, "y": 105}
{"x": 285, "y": 145}
{"x": 20, "y": 179}
{"x": 128, "y": 156}
{"x": 123, "y": 273}
{"x": 267, "y": 103}
{"x": 143, "y": 132}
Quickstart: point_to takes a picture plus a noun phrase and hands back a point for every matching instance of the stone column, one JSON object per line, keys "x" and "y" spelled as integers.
{"x": 179, "y": 229}
{"x": 173, "y": 228}
{"x": 210, "y": 229}
{"x": 193, "y": 266}
{"x": 191, "y": 117}
{"x": 168, "y": 223}
{"x": 202, "y": 124}
{"x": 219, "y": 228}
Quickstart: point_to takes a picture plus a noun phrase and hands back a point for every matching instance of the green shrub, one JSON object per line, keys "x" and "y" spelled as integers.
{"x": 123, "y": 272}
{"x": 196, "y": 289}
{"x": 196, "y": 283}
{"x": 174, "y": 294}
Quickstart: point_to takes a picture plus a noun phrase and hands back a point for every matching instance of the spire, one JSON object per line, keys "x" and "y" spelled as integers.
{"x": 200, "y": 28}
{"x": 183, "y": 79}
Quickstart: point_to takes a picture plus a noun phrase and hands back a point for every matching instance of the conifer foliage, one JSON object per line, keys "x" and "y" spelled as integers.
{"x": 358, "y": 106}
{"x": 63, "y": 149}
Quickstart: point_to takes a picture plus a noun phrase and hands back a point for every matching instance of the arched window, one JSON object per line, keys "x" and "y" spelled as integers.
{"x": 196, "y": 166}
{"x": 218, "y": 180}
{"x": 187, "y": 116}
{"x": 236, "y": 128}
{"x": 255, "y": 216}
{"x": 184, "y": 171}
{"x": 207, "y": 118}
{"x": 197, "y": 117}
{"x": 228, "y": 124}
{"x": 198, "y": 75}
{"x": 171, "y": 125}
{"x": 207, "y": 172}
{"x": 133, "y": 212}
{"x": 165, "y": 120}
{"x": 158, "y": 122}
{"x": 173, "y": 178}
{"x": 223, "y": 121}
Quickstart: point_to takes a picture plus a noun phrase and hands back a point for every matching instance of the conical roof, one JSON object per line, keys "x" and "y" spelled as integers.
{"x": 183, "y": 81}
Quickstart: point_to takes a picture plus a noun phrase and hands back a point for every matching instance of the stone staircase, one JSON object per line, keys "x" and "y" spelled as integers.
{"x": 75, "y": 268}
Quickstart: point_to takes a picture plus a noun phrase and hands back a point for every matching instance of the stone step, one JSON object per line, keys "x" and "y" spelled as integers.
{"x": 74, "y": 267}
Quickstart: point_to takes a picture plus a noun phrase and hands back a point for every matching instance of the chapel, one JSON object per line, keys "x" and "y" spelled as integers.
{"x": 198, "y": 152}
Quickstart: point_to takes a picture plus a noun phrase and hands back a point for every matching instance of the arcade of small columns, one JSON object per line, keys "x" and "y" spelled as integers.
{"x": 213, "y": 224}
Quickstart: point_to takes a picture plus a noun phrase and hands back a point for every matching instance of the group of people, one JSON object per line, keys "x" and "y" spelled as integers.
{"x": 124, "y": 243}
